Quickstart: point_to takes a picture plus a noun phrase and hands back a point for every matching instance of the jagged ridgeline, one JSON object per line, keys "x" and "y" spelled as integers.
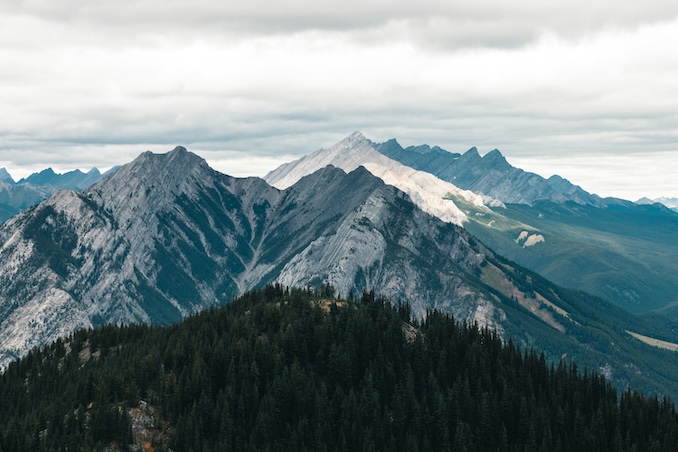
{"x": 283, "y": 369}
{"x": 18, "y": 196}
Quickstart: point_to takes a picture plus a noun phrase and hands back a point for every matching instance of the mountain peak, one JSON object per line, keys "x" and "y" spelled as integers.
{"x": 494, "y": 154}
{"x": 644, "y": 200}
{"x": 391, "y": 142}
{"x": 171, "y": 160}
{"x": 472, "y": 152}
{"x": 44, "y": 177}
{"x": 151, "y": 180}
{"x": 6, "y": 177}
{"x": 354, "y": 140}
{"x": 355, "y": 136}
{"x": 496, "y": 159}
{"x": 428, "y": 192}
{"x": 347, "y": 154}
{"x": 472, "y": 155}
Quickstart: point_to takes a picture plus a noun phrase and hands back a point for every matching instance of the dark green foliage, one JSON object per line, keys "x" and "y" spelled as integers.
{"x": 154, "y": 303}
{"x": 172, "y": 279}
{"x": 279, "y": 370}
{"x": 54, "y": 239}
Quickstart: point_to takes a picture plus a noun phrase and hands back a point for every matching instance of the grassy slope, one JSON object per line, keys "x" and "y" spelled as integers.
{"x": 626, "y": 255}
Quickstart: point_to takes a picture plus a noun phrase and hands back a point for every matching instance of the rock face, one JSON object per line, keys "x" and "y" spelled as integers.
{"x": 379, "y": 240}
{"x": 490, "y": 175}
{"x": 166, "y": 235}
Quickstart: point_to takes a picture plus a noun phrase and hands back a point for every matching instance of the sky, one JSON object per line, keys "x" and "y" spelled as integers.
{"x": 587, "y": 89}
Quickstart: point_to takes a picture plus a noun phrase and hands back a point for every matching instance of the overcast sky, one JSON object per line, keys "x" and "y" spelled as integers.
{"x": 587, "y": 89}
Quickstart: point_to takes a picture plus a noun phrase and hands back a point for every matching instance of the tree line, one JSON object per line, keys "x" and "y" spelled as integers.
{"x": 296, "y": 369}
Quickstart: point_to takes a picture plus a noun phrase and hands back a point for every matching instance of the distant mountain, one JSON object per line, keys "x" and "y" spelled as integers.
{"x": 668, "y": 202}
{"x": 6, "y": 177}
{"x": 166, "y": 236}
{"x": 489, "y": 175}
{"x": 72, "y": 180}
{"x": 611, "y": 248}
{"x": 671, "y": 203}
{"x": 17, "y": 196}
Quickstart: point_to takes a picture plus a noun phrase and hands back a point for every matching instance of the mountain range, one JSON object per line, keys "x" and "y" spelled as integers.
{"x": 612, "y": 248}
{"x": 17, "y": 196}
{"x": 166, "y": 236}
{"x": 671, "y": 203}
{"x": 490, "y": 175}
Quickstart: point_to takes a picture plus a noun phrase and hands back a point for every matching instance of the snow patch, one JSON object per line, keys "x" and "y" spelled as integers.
{"x": 533, "y": 240}
{"x": 527, "y": 240}
{"x": 522, "y": 236}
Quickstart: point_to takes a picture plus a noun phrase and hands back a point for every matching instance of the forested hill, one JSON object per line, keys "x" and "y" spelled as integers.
{"x": 295, "y": 370}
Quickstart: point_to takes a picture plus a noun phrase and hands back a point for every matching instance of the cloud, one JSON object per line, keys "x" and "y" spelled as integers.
{"x": 622, "y": 176}
{"x": 460, "y": 17}
{"x": 95, "y": 83}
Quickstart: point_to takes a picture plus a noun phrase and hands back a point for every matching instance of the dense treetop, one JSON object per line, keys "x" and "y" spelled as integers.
{"x": 283, "y": 369}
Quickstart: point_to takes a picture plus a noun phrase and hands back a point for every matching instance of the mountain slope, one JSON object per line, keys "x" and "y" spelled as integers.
{"x": 611, "y": 248}
{"x": 118, "y": 252}
{"x": 381, "y": 242}
{"x": 490, "y": 175}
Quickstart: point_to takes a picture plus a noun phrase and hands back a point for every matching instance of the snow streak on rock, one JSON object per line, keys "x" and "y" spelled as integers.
{"x": 427, "y": 191}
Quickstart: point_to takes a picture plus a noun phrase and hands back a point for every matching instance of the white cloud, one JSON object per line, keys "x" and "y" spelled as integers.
{"x": 622, "y": 176}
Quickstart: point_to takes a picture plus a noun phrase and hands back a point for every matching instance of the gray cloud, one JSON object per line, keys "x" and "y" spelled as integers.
{"x": 494, "y": 23}
{"x": 95, "y": 83}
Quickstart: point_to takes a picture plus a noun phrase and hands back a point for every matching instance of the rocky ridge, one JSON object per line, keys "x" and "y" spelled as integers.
{"x": 490, "y": 175}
